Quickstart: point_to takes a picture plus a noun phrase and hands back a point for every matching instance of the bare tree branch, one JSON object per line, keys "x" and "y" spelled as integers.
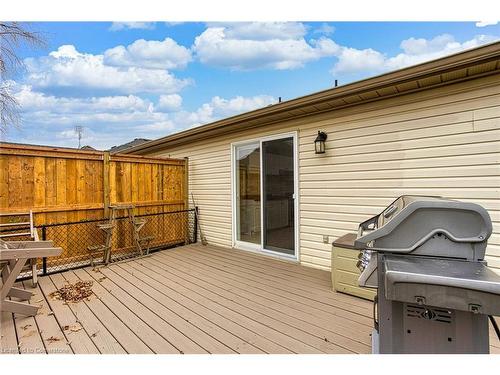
{"x": 13, "y": 35}
{"x": 9, "y": 109}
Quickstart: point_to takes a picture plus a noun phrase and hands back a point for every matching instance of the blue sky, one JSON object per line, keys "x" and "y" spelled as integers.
{"x": 125, "y": 80}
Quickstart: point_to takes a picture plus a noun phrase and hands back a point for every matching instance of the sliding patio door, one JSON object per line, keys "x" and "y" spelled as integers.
{"x": 264, "y": 195}
{"x": 278, "y": 187}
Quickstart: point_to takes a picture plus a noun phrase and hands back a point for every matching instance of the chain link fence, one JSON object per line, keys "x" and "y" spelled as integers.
{"x": 165, "y": 230}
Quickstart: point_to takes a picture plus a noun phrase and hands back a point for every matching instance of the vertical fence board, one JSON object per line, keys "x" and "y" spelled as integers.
{"x": 28, "y": 181}
{"x": 50, "y": 182}
{"x": 39, "y": 184}
{"x": 112, "y": 182}
{"x": 61, "y": 198}
{"x": 106, "y": 175}
{"x": 15, "y": 185}
{"x": 135, "y": 183}
{"x": 4, "y": 181}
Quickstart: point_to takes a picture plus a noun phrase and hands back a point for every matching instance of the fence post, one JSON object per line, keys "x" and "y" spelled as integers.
{"x": 44, "y": 259}
{"x": 196, "y": 224}
{"x": 105, "y": 183}
{"x": 186, "y": 183}
{"x": 186, "y": 198}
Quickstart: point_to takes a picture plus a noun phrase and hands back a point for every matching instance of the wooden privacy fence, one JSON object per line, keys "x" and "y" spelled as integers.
{"x": 65, "y": 185}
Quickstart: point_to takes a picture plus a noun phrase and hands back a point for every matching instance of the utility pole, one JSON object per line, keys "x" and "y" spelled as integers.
{"x": 79, "y": 132}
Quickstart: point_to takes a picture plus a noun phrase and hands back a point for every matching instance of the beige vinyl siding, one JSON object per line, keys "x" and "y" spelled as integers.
{"x": 444, "y": 141}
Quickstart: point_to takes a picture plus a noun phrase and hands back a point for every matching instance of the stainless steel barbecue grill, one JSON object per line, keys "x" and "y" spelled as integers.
{"x": 435, "y": 292}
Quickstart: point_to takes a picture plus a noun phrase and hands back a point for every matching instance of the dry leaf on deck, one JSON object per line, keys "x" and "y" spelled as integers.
{"x": 29, "y": 334}
{"x": 73, "y": 292}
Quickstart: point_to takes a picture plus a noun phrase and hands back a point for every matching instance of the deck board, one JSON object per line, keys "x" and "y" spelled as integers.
{"x": 204, "y": 285}
{"x": 268, "y": 307}
{"x": 287, "y": 300}
{"x": 290, "y": 285}
{"x": 130, "y": 331}
{"x": 78, "y": 339}
{"x": 130, "y": 322}
{"x": 239, "y": 339}
{"x": 8, "y": 334}
{"x": 28, "y": 332}
{"x": 195, "y": 299}
{"x": 53, "y": 339}
{"x": 221, "y": 309}
{"x": 189, "y": 324}
{"x": 300, "y": 341}
{"x": 164, "y": 321}
{"x": 102, "y": 338}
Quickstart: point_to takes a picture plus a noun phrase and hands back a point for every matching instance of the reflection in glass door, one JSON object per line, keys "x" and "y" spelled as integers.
{"x": 278, "y": 186}
{"x": 264, "y": 175}
{"x": 248, "y": 193}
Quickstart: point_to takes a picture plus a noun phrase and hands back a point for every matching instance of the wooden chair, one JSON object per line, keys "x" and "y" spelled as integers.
{"x": 13, "y": 257}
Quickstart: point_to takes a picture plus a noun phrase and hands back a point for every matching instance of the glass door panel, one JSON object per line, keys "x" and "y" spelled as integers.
{"x": 248, "y": 200}
{"x": 278, "y": 188}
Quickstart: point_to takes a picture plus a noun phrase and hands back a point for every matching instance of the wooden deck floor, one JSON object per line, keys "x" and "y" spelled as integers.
{"x": 194, "y": 299}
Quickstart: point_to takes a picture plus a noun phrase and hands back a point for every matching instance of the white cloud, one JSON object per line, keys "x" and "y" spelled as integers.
{"x": 420, "y": 46}
{"x": 68, "y": 134}
{"x": 415, "y": 51}
{"x": 239, "y": 104}
{"x": 118, "y": 26}
{"x": 282, "y": 45}
{"x": 162, "y": 127}
{"x": 69, "y": 68}
{"x": 324, "y": 29}
{"x": 351, "y": 60}
{"x": 170, "y": 102}
{"x": 258, "y": 45}
{"x": 420, "y": 50}
{"x": 152, "y": 54}
{"x": 486, "y": 23}
{"x": 219, "y": 108}
{"x": 173, "y": 23}
{"x": 30, "y": 100}
{"x": 263, "y": 30}
{"x": 112, "y": 120}
{"x": 54, "y": 112}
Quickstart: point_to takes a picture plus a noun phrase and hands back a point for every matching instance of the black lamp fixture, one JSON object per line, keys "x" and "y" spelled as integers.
{"x": 319, "y": 142}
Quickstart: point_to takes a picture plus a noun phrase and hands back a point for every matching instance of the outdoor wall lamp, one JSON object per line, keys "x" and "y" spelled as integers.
{"x": 319, "y": 142}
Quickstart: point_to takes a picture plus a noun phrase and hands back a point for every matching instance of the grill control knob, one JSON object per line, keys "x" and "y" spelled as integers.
{"x": 428, "y": 314}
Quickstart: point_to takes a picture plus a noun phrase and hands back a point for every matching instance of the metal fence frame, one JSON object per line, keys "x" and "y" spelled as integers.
{"x": 192, "y": 228}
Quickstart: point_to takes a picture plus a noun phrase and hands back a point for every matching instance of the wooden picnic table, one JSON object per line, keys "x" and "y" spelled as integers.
{"x": 13, "y": 257}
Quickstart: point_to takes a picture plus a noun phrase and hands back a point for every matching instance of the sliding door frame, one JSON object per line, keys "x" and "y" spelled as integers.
{"x": 234, "y": 206}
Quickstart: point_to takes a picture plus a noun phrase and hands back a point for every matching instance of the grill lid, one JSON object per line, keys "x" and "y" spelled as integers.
{"x": 430, "y": 226}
